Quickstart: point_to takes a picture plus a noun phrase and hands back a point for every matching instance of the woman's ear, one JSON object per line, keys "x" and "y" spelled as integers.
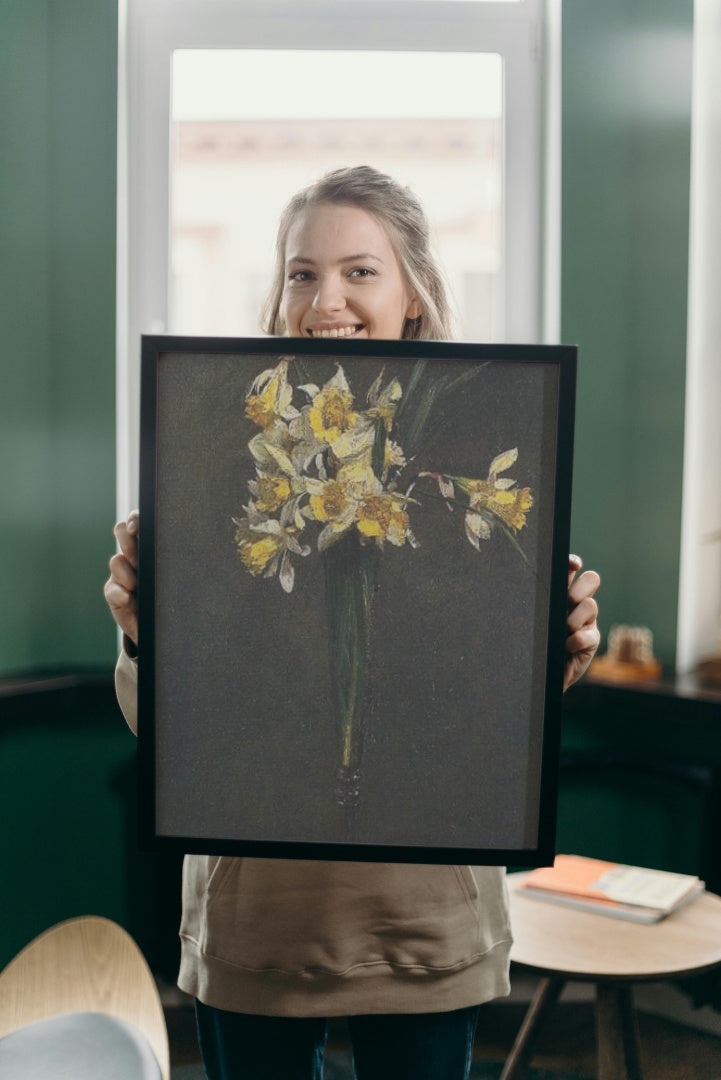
{"x": 415, "y": 309}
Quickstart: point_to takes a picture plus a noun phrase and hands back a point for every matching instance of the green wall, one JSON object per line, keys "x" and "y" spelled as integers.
{"x": 67, "y": 761}
{"x": 58, "y": 72}
{"x": 626, "y": 145}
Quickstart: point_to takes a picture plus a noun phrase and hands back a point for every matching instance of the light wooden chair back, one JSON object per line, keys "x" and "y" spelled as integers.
{"x": 88, "y": 964}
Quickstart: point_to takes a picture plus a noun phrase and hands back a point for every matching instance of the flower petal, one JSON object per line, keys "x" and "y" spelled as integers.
{"x": 286, "y": 577}
{"x": 477, "y": 529}
{"x": 447, "y": 489}
{"x": 503, "y": 461}
{"x": 267, "y": 455}
{"x": 310, "y": 389}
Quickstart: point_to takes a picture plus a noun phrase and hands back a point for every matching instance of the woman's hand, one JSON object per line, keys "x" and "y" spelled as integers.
{"x": 121, "y": 587}
{"x": 583, "y": 636}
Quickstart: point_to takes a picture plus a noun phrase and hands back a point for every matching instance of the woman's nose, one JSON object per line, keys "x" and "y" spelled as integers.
{"x": 329, "y": 295}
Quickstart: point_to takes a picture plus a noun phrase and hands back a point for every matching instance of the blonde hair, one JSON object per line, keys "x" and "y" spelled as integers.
{"x": 403, "y": 217}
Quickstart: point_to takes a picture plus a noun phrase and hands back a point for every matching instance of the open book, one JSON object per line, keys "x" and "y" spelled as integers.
{"x": 608, "y": 888}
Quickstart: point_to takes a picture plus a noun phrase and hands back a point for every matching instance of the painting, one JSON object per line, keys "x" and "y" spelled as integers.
{"x": 352, "y": 597}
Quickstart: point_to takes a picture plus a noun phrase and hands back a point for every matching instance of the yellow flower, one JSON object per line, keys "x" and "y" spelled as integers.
{"x": 494, "y": 496}
{"x": 384, "y": 518}
{"x": 331, "y": 414}
{"x": 266, "y": 544}
{"x": 498, "y": 495}
{"x": 356, "y": 444}
{"x": 270, "y": 492}
{"x": 270, "y": 396}
{"x": 257, "y": 550}
{"x": 333, "y": 502}
{"x": 510, "y": 505}
{"x": 336, "y": 502}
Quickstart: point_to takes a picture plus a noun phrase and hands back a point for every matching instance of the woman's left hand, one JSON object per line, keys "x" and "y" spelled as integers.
{"x": 582, "y": 634}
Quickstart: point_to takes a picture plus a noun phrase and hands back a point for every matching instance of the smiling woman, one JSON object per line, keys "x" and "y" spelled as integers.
{"x": 331, "y": 292}
{"x": 353, "y": 259}
{"x": 268, "y": 940}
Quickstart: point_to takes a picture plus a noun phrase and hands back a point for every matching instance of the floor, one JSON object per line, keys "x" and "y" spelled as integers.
{"x": 669, "y": 1051}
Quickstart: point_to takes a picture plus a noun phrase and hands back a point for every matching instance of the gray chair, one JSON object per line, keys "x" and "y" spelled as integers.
{"x": 80, "y": 1002}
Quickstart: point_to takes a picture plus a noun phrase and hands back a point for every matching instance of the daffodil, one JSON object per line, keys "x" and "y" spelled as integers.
{"x": 356, "y": 444}
{"x": 266, "y": 544}
{"x": 270, "y": 397}
{"x": 329, "y": 425}
{"x": 270, "y": 492}
{"x": 383, "y": 517}
{"x": 495, "y": 496}
{"x": 331, "y": 413}
{"x": 332, "y": 501}
{"x": 335, "y": 506}
{"x": 271, "y": 452}
{"x": 510, "y": 505}
{"x": 335, "y": 503}
{"x": 257, "y": 548}
{"x": 499, "y": 495}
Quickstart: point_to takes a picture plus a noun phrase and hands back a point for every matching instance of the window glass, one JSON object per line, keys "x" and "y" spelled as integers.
{"x": 251, "y": 127}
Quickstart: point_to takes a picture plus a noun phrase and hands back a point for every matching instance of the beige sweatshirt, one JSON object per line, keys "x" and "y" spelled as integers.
{"x": 285, "y": 937}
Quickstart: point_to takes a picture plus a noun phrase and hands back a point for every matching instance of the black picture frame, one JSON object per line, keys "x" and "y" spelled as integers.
{"x": 396, "y": 696}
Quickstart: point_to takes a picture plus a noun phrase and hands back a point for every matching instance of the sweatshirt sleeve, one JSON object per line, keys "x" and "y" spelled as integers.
{"x": 126, "y": 688}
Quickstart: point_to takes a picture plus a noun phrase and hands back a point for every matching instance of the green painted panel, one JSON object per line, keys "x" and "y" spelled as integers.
{"x": 26, "y": 397}
{"x": 626, "y": 160}
{"x": 57, "y": 323}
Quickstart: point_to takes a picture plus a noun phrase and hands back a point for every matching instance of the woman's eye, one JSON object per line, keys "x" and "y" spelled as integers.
{"x": 300, "y": 276}
{"x": 362, "y": 272}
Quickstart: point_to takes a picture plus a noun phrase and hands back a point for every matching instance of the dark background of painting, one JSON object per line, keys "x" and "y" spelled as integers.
{"x": 246, "y": 740}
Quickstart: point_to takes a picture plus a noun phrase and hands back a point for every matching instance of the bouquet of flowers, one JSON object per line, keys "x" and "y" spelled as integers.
{"x": 337, "y": 474}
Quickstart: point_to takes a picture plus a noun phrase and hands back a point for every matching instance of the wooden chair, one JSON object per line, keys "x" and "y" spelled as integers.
{"x": 564, "y": 944}
{"x": 83, "y": 968}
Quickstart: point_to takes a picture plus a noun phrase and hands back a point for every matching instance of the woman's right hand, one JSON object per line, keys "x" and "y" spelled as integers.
{"x": 121, "y": 587}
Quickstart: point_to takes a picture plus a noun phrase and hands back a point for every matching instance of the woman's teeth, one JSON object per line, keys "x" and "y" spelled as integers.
{"x": 337, "y": 331}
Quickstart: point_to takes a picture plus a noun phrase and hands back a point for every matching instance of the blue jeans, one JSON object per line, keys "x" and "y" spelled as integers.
{"x": 414, "y": 1046}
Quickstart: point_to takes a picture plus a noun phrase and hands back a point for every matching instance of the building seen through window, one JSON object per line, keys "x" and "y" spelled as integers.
{"x": 231, "y": 175}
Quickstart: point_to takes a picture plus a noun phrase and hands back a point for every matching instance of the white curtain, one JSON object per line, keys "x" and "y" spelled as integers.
{"x": 700, "y": 583}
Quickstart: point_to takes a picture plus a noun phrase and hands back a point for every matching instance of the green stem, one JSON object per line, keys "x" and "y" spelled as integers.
{"x": 350, "y": 579}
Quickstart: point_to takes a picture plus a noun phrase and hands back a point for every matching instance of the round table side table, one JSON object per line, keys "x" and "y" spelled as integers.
{"x": 564, "y": 944}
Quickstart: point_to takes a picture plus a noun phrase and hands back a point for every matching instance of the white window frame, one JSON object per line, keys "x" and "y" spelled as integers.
{"x": 699, "y": 596}
{"x": 526, "y": 34}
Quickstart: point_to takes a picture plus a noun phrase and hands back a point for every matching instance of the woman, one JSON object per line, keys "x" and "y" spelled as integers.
{"x": 272, "y": 948}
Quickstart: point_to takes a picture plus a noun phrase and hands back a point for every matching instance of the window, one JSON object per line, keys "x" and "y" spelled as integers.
{"x": 235, "y": 161}
{"x": 227, "y": 107}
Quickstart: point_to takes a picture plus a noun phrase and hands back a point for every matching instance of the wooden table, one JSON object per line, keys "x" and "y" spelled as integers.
{"x": 563, "y": 944}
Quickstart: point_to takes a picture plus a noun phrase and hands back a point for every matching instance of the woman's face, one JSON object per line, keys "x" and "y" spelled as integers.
{"x": 342, "y": 277}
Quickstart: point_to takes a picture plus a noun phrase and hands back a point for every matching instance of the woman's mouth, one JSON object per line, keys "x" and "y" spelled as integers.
{"x": 335, "y": 331}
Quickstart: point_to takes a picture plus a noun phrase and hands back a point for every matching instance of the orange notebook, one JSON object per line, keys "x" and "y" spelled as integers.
{"x": 631, "y": 892}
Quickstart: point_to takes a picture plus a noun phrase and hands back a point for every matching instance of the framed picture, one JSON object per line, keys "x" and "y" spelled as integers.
{"x": 352, "y": 597}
